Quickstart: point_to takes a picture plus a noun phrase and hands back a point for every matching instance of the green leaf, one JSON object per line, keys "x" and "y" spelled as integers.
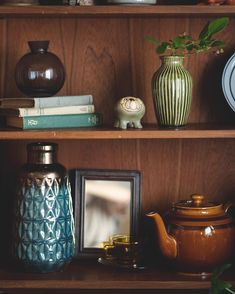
{"x": 213, "y": 27}
{"x": 189, "y": 47}
{"x": 219, "y": 286}
{"x": 205, "y": 32}
{"x": 153, "y": 40}
{"x": 218, "y": 25}
{"x": 177, "y": 42}
{"x": 185, "y": 44}
{"x": 219, "y": 271}
{"x": 162, "y": 48}
{"x": 204, "y": 43}
{"x": 189, "y": 38}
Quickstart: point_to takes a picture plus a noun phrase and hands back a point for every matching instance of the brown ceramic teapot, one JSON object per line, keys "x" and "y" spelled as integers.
{"x": 200, "y": 235}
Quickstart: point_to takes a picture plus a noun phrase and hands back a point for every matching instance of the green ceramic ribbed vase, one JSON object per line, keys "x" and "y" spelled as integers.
{"x": 172, "y": 92}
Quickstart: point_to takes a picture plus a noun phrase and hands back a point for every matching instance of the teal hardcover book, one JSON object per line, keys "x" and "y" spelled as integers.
{"x": 55, "y": 121}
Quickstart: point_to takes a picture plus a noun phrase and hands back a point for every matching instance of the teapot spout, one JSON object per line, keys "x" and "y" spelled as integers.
{"x": 167, "y": 243}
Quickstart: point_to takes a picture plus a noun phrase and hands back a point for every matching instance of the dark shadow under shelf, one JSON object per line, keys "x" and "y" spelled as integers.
{"x": 91, "y": 275}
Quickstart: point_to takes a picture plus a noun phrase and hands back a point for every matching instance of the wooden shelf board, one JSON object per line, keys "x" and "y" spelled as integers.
{"x": 148, "y": 132}
{"x": 91, "y": 275}
{"x": 118, "y": 10}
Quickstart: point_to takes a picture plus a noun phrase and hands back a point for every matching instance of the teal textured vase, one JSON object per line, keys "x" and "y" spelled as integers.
{"x": 172, "y": 92}
{"x": 44, "y": 224}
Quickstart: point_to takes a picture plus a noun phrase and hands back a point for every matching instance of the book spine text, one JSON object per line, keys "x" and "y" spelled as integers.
{"x": 62, "y": 121}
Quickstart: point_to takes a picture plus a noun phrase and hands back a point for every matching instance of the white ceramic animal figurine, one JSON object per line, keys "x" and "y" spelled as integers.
{"x": 129, "y": 111}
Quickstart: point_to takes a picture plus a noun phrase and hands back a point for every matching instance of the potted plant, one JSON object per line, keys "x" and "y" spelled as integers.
{"x": 172, "y": 83}
{"x": 217, "y": 284}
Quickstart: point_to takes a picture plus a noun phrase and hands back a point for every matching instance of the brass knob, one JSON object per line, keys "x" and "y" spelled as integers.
{"x": 197, "y": 199}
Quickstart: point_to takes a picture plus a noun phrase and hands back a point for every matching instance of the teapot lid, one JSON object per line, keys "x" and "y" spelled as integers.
{"x": 197, "y": 206}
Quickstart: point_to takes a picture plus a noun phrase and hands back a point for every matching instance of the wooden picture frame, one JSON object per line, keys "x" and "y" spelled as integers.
{"x": 104, "y": 198}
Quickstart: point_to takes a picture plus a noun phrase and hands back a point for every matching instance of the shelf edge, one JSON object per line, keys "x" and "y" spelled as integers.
{"x": 116, "y": 10}
{"x": 58, "y": 284}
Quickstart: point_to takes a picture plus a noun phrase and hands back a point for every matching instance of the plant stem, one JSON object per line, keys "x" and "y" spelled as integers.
{"x": 229, "y": 290}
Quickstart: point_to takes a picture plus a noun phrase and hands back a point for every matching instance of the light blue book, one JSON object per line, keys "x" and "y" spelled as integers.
{"x": 55, "y": 121}
{"x": 44, "y": 102}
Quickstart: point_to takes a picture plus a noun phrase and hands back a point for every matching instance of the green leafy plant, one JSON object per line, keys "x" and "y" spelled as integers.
{"x": 218, "y": 285}
{"x": 184, "y": 44}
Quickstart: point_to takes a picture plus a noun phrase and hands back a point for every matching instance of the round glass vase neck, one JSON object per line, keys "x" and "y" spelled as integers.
{"x": 38, "y": 46}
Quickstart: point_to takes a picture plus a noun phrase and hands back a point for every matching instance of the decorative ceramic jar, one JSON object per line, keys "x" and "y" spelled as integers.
{"x": 129, "y": 112}
{"x": 172, "y": 92}
{"x": 44, "y": 225}
{"x": 200, "y": 235}
{"x": 39, "y": 73}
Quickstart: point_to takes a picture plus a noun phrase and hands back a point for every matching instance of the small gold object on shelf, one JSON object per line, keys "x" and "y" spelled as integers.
{"x": 122, "y": 251}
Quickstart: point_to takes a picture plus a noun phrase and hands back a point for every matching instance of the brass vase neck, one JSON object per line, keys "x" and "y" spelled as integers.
{"x": 42, "y": 153}
{"x": 175, "y": 59}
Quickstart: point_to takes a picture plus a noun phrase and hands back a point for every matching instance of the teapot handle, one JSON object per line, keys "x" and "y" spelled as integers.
{"x": 228, "y": 205}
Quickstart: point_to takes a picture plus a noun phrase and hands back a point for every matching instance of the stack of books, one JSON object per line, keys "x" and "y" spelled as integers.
{"x": 50, "y": 112}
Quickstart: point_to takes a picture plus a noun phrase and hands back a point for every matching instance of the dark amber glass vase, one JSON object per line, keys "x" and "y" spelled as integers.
{"x": 39, "y": 73}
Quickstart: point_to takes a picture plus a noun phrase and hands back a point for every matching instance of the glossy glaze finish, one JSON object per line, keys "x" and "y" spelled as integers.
{"x": 129, "y": 112}
{"x": 201, "y": 249}
{"x": 44, "y": 225}
{"x": 39, "y": 73}
{"x": 199, "y": 235}
{"x": 172, "y": 92}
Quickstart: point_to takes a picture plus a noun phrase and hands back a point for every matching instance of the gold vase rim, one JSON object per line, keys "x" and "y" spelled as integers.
{"x": 172, "y": 57}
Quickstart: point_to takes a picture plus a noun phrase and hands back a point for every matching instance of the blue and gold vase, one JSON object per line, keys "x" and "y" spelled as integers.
{"x": 172, "y": 92}
{"x": 44, "y": 224}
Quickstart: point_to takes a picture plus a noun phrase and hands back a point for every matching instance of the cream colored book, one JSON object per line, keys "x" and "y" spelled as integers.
{"x": 73, "y": 109}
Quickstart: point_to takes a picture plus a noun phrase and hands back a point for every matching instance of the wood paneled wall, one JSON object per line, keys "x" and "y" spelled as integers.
{"x": 110, "y": 58}
{"x": 171, "y": 169}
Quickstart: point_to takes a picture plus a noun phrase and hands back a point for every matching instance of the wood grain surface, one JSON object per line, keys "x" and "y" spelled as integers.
{"x": 105, "y": 54}
{"x": 110, "y": 58}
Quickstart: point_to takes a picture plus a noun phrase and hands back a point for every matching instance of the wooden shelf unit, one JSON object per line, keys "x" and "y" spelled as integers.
{"x": 191, "y": 131}
{"x": 105, "y": 53}
{"x": 117, "y": 10}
